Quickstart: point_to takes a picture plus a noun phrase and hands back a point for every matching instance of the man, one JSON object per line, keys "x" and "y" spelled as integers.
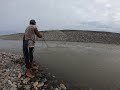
{"x": 28, "y": 46}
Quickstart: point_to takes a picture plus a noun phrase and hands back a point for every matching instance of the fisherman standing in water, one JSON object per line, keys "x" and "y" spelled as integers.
{"x": 28, "y": 46}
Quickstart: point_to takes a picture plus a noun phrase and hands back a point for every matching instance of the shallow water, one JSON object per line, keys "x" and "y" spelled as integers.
{"x": 90, "y": 65}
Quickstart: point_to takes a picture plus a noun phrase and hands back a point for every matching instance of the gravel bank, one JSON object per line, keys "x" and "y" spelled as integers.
{"x": 12, "y": 76}
{"x": 73, "y": 36}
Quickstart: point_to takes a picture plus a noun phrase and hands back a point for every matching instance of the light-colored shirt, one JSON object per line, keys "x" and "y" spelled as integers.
{"x": 30, "y": 33}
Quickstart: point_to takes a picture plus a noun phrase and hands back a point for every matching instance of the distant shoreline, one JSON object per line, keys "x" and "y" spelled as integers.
{"x": 72, "y": 36}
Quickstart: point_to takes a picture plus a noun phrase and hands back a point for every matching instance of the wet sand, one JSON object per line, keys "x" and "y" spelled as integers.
{"x": 90, "y": 65}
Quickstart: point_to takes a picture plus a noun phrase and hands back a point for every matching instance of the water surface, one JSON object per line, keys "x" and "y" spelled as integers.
{"x": 90, "y": 65}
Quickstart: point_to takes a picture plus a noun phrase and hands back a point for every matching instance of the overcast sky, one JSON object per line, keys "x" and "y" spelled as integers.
{"x": 60, "y": 14}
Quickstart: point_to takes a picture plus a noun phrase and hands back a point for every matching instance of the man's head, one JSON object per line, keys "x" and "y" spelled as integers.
{"x": 32, "y": 22}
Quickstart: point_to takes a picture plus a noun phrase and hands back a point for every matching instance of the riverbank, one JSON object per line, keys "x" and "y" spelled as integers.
{"x": 12, "y": 76}
{"x": 72, "y": 36}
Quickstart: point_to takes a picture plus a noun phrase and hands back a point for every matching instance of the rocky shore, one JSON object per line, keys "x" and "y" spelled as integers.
{"x": 12, "y": 76}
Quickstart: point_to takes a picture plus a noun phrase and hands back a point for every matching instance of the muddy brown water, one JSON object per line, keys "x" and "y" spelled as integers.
{"x": 92, "y": 65}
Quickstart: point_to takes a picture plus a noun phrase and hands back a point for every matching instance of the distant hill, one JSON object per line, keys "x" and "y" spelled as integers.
{"x": 7, "y": 32}
{"x": 73, "y": 36}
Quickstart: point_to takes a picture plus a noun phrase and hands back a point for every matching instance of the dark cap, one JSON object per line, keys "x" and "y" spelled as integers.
{"x": 32, "y": 22}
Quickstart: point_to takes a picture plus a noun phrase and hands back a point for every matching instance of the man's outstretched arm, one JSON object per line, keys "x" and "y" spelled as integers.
{"x": 37, "y": 33}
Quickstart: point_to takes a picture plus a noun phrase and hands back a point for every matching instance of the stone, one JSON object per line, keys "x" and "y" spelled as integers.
{"x": 27, "y": 87}
{"x": 13, "y": 88}
{"x": 35, "y": 84}
{"x": 4, "y": 88}
{"x": 5, "y": 80}
{"x": 62, "y": 86}
{"x": 19, "y": 75}
{"x": 9, "y": 82}
{"x": 21, "y": 79}
{"x": 40, "y": 84}
{"x": 14, "y": 84}
{"x": 53, "y": 76}
{"x": 35, "y": 88}
{"x": 56, "y": 89}
{"x": 19, "y": 85}
{"x": 26, "y": 80}
{"x": 44, "y": 80}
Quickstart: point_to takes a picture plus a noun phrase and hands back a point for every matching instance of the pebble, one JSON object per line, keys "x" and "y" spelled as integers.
{"x": 27, "y": 87}
{"x": 44, "y": 80}
{"x": 13, "y": 88}
{"x": 4, "y": 88}
{"x": 19, "y": 75}
{"x": 40, "y": 84}
{"x": 35, "y": 84}
{"x": 14, "y": 84}
{"x": 26, "y": 80}
{"x": 5, "y": 80}
{"x": 21, "y": 79}
{"x": 53, "y": 76}
{"x": 9, "y": 82}
{"x": 62, "y": 86}
{"x": 56, "y": 89}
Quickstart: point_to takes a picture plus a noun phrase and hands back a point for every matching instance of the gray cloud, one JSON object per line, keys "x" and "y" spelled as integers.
{"x": 60, "y": 14}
